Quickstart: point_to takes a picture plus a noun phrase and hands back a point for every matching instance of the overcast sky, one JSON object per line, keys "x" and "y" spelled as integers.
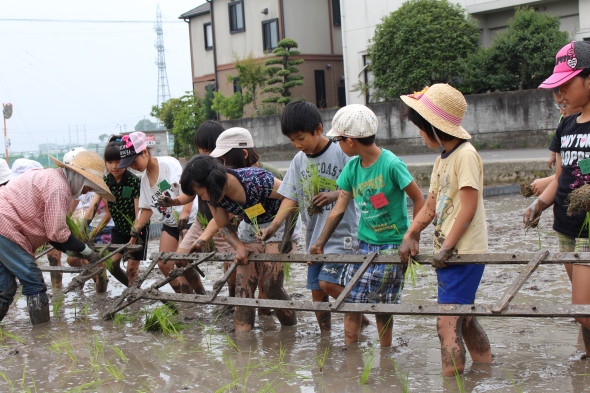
{"x": 101, "y": 76}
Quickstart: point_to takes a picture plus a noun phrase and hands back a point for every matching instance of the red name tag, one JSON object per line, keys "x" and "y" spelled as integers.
{"x": 379, "y": 200}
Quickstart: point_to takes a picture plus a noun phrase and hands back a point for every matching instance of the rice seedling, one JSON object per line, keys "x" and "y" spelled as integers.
{"x": 90, "y": 386}
{"x": 311, "y": 187}
{"x": 85, "y": 312}
{"x": 368, "y": 362}
{"x": 114, "y": 371}
{"x": 120, "y": 353}
{"x": 175, "y": 215}
{"x": 287, "y": 271}
{"x": 61, "y": 346}
{"x": 459, "y": 379}
{"x": 271, "y": 386}
{"x": 124, "y": 317}
{"x": 517, "y": 388}
{"x": 203, "y": 221}
{"x": 231, "y": 342}
{"x": 233, "y": 370}
{"x": 412, "y": 270}
{"x": 23, "y": 383}
{"x": 5, "y": 334}
{"x": 403, "y": 378}
{"x": 7, "y": 380}
{"x": 321, "y": 360}
{"x": 163, "y": 319}
{"x": 57, "y": 302}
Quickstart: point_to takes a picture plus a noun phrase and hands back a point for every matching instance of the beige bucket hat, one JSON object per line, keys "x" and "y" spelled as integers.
{"x": 441, "y": 105}
{"x": 90, "y": 165}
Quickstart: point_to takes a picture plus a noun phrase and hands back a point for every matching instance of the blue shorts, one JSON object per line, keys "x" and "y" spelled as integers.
{"x": 381, "y": 283}
{"x": 458, "y": 284}
{"x": 329, "y": 272}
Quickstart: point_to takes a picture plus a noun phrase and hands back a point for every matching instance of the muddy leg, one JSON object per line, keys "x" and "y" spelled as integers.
{"x": 272, "y": 282}
{"x": 334, "y": 290}
{"x": 117, "y": 272}
{"x": 452, "y": 347}
{"x": 246, "y": 282}
{"x": 324, "y": 318}
{"x": 132, "y": 270}
{"x": 476, "y": 340}
{"x": 352, "y": 328}
{"x": 170, "y": 244}
{"x": 581, "y": 290}
{"x": 193, "y": 278}
{"x": 262, "y": 295}
{"x": 54, "y": 257}
{"x": 102, "y": 281}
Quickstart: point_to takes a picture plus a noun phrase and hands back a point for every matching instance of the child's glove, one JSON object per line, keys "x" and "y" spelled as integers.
{"x": 439, "y": 259}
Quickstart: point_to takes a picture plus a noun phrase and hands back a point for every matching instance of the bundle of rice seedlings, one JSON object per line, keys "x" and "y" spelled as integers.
{"x": 579, "y": 201}
{"x": 411, "y": 271}
{"x": 78, "y": 228}
{"x": 203, "y": 221}
{"x": 163, "y": 319}
{"x": 311, "y": 187}
{"x": 526, "y": 190}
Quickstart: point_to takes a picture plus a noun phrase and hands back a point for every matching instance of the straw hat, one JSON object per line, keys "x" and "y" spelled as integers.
{"x": 441, "y": 105}
{"x": 91, "y": 166}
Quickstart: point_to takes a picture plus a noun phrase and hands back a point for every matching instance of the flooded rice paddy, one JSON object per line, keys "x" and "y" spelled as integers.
{"x": 79, "y": 352}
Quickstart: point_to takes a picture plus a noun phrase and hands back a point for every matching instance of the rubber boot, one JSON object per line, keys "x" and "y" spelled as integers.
{"x": 38, "y": 306}
{"x": 3, "y": 310}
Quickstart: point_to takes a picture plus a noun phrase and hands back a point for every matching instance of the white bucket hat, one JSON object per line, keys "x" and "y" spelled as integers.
{"x": 354, "y": 121}
{"x": 5, "y": 172}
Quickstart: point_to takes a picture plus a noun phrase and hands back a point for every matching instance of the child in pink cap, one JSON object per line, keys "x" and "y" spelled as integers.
{"x": 571, "y": 143}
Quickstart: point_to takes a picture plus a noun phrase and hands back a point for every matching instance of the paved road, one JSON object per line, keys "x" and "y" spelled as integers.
{"x": 486, "y": 155}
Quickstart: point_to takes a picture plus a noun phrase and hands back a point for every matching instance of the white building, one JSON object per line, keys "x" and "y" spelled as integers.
{"x": 360, "y": 17}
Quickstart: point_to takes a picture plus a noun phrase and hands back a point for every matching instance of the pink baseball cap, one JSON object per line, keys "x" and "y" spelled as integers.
{"x": 569, "y": 62}
{"x": 135, "y": 143}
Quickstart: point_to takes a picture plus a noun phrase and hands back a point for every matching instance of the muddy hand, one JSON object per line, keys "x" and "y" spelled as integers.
{"x": 197, "y": 246}
{"x": 409, "y": 247}
{"x": 266, "y": 233}
{"x": 165, "y": 201}
{"x": 439, "y": 259}
{"x": 315, "y": 249}
{"x": 182, "y": 223}
{"x": 242, "y": 257}
{"x": 324, "y": 198}
{"x": 532, "y": 214}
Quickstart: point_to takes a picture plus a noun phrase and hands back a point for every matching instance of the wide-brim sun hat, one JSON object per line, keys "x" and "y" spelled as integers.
{"x": 569, "y": 62}
{"x": 90, "y": 165}
{"x": 441, "y": 105}
{"x": 354, "y": 121}
{"x": 232, "y": 138}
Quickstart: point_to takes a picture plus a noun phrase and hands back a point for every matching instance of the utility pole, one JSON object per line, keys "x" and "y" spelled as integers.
{"x": 84, "y": 134}
{"x": 163, "y": 88}
{"x": 77, "y": 136}
{"x": 70, "y": 133}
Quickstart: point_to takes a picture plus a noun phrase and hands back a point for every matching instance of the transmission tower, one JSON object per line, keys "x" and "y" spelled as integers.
{"x": 163, "y": 88}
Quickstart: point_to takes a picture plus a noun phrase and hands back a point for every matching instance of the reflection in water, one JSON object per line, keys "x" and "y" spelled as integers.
{"x": 79, "y": 351}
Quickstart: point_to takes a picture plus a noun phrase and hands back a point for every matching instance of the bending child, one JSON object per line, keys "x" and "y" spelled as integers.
{"x": 455, "y": 203}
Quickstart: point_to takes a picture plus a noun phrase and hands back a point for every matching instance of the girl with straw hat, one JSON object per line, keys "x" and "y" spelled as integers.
{"x": 33, "y": 209}
{"x": 455, "y": 203}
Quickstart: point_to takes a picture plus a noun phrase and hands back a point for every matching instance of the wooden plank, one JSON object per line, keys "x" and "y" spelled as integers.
{"x": 486, "y": 259}
{"x": 359, "y": 273}
{"x": 565, "y": 311}
{"x": 62, "y": 269}
{"x": 519, "y": 282}
{"x": 218, "y": 285}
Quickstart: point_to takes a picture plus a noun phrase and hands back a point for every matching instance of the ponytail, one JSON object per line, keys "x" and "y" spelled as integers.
{"x": 204, "y": 171}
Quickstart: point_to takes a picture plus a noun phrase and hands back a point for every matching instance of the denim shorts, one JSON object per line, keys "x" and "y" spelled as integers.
{"x": 329, "y": 272}
{"x": 381, "y": 283}
{"x": 16, "y": 262}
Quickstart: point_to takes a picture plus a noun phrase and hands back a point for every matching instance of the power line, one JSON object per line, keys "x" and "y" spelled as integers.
{"x": 84, "y": 21}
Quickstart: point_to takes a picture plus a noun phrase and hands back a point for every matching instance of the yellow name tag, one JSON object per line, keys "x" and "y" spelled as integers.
{"x": 327, "y": 184}
{"x": 255, "y": 211}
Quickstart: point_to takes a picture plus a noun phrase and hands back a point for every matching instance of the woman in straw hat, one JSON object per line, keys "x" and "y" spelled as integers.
{"x": 455, "y": 203}
{"x": 33, "y": 209}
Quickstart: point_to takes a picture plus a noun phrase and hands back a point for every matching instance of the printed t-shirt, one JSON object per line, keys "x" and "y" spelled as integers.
{"x": 125, "y": 192}
{"x": 461, "y": 167}
{"x": 572, "y": 142}
{"x": 379, "y": 193}
{"x": 258, "y": 184}
{"x": 272, "y": 169}
{"x": 167, "y": 185}
{"x": 329, "y": 163}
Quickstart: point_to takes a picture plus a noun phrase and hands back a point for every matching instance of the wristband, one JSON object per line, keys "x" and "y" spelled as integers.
{"x": 86, "y": 251}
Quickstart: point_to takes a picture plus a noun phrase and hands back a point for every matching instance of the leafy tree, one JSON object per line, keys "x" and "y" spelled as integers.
{"x": 103, "y": 137}
{"x": 181, "y": 117}
{"x": 231, "y": 107}
{"x": 252, "y": 77}
{"x": 422, "y": 43}
{"x": 281, "y": 70}
{"x": 208, "y": 103}
{"x": 519, "y": 58}
{"x": 146, "y": 125}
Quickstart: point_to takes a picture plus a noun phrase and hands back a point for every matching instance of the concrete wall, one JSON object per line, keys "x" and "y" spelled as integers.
{"x": 507, "y": 120}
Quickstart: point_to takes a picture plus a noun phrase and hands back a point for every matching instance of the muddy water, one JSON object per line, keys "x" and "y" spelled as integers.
{"x": 530, "y": 354}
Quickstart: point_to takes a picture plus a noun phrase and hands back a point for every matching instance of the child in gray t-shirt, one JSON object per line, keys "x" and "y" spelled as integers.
{"x": 310, "y": 186}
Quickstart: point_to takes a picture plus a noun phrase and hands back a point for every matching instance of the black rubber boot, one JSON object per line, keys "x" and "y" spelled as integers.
{"x": 38, "y": 306}
{"x": 3, "y": 310}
